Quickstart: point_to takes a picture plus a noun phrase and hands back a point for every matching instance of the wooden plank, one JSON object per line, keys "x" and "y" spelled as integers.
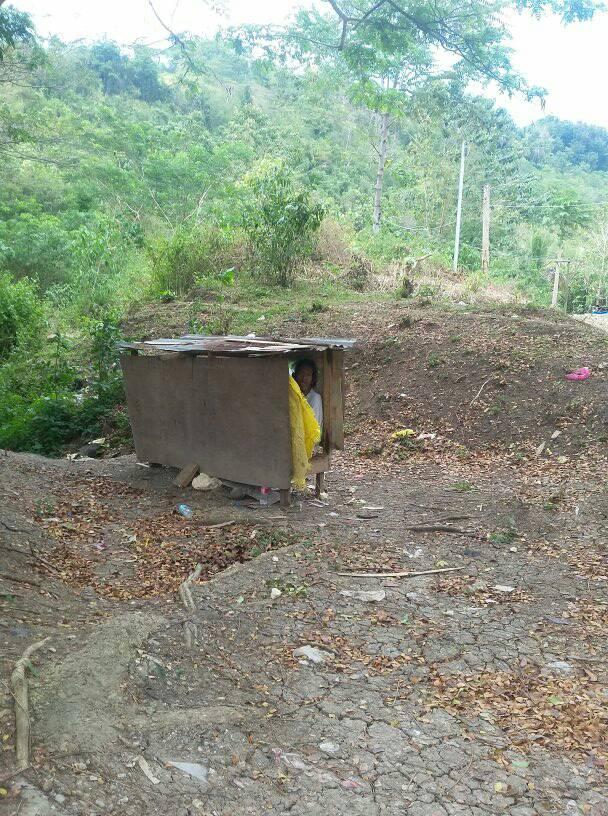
{"x": 319, "y": 464}
{"x": 228, "y": 414}
{"x": 323, "y": 362}
{"x": 336, "y": 404}
{"x": 186, "y": 474}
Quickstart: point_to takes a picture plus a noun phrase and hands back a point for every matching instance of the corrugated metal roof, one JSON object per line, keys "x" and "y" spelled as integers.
{"x": 241, "y": 346}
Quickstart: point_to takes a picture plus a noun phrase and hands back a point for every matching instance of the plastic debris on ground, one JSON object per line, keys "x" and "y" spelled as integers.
{"x": 579, "y": 374}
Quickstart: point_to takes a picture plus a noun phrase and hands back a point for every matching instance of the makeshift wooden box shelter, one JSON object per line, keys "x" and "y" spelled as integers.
{"x": 223, "y": 403}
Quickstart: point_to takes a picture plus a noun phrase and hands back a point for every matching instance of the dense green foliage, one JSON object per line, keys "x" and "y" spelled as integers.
{"x": 127, "y": 176}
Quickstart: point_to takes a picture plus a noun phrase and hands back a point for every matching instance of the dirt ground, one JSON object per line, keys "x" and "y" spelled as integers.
{"x": 474, "y": 691}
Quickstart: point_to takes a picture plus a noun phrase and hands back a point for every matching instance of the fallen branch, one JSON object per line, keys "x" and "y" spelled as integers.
{"x": 22, "y": 714}
{"x": 43, "y": 561}
{"x": 221, "y": 524}
{"x": 397, "y": 574}
{"x": 478, "y": 394}
{"x": 7, "y": 777}
{"x": 436, "y": 528}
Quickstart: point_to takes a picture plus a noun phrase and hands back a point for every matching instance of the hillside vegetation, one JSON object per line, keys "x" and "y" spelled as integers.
{"x": 241, "y": 188}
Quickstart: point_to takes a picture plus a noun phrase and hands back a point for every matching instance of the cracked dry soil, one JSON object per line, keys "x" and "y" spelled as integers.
{"x": 476, "y": 692}
{"x": 448, "y": 696}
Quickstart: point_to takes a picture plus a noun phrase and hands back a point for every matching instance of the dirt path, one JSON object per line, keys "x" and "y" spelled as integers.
{"x": 473, "y": 692}
{"x": 480, "y": 691}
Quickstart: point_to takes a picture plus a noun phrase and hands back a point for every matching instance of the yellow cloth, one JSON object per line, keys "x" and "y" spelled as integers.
{"x": 305, "y": 433}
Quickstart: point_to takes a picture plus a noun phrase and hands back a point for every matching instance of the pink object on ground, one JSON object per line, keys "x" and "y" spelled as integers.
{"x": 579, "y": 374}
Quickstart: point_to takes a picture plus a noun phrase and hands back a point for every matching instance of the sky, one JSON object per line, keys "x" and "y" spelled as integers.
{"x": 571, "y": 62}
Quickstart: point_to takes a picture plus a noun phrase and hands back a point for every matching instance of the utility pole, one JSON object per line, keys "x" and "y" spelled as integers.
{"x": 459, "y": 208}
{"x": 485, "y": 231}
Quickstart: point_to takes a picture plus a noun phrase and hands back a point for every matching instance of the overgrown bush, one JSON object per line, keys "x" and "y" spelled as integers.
{"x": 359, "y": 273}
{"x": 37, "y": 246}
{"x": 280, "y": 222}
{"x": 191, "y": 257}
{"x": 21, "y": 313}
{"x": 63, "y": 391}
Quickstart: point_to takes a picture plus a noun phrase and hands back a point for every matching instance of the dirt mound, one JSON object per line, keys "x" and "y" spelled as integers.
{"x": 474, "y": 378}
{"x": 477, "y": 379}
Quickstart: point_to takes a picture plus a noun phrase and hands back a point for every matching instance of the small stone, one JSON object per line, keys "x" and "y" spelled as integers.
{"x": 47, "y": 785}
{"x": 560, "y": 666}
{"x": 275, "y": 593}
{"x": 59, "y": 797}
{"x": 329, "y": 747}
{"x": 370, "y": 596}
{"x": 100, "y": 803}
{"x": 193, "y": 769}
{"x": 312, "y": 653}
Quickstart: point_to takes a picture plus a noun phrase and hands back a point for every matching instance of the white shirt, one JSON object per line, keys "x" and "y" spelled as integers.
{"x": 316, "y": 403}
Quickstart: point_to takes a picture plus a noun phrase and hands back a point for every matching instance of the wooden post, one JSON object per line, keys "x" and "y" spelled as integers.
{"x": 320, "y": 484}
{"x": 459, "y": 208}
{"x": 555, "y": 286}
{"x": 485, "y": 231}
{"x": 285, "y": 498}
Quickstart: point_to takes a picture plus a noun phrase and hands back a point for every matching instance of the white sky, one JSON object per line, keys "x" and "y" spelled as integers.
{"x": 571, "y": 62}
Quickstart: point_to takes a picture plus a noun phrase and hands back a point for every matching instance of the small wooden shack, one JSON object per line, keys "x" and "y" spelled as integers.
{"x": 223, "y": 403}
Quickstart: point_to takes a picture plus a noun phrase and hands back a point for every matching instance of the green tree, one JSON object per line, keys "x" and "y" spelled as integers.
{"x": 280, "y": 221}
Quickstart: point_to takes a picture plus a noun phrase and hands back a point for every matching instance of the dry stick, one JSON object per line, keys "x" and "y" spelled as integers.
{"x": 44, "y": 561}
{"x": 397, "y": 574}
{"x": 14, "y": 772}
{"x": 436, "y": 528}
{"x": 217, "y": 526}
{"x": 22, "y": 715}
{"x": 478, "y": 394}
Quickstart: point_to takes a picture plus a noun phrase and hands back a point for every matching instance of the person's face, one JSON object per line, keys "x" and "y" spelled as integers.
{"x": 304, "y": 379}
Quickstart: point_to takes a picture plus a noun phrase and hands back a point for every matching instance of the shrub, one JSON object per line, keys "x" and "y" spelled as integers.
{"x": 192, "y": 256}
{"x": 77, "y": 396}
{"x": 280, "y": 222}
{"x": 20, "y": 313}
{"x": 37, "y": 246}
{"x": 359, "y": 273}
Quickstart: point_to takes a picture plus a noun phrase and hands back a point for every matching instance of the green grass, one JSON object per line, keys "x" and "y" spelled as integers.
{"x": 250, "y": 306}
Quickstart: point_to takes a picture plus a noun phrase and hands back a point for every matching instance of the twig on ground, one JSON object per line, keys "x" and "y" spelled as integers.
{"x": 397, "y": 574}
{"x": 221, "y": 524}
{"x": 478, "y": 394}
{"x": 11, "y": 774}
{"x": 436, "y": 528}
{"x": 19, "y": 687}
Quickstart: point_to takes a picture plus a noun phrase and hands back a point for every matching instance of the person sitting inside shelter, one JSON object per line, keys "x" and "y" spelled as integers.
{"x": 305, "y": 374}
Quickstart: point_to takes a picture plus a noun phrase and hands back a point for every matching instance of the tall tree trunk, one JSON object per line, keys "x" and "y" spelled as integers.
{"x": 384, "y": 122}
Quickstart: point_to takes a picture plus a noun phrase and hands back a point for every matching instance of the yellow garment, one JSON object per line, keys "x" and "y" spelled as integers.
{"x": 305, "y": 433}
